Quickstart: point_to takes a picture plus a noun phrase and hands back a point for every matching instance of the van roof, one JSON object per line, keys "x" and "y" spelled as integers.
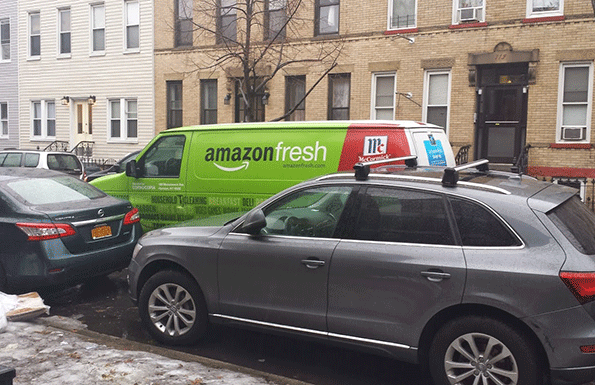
{"x": 323, "y": 124}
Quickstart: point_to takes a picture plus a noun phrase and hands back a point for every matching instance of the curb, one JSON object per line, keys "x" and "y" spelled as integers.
{"x": 123, "y": 344}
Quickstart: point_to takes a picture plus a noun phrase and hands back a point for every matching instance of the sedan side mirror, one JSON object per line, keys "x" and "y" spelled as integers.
{"x": 255, "y": 221}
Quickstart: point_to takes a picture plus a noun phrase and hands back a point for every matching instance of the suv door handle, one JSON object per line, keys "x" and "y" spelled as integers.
{"x": 435, "y": 275}
{"x": 312, "y": 263}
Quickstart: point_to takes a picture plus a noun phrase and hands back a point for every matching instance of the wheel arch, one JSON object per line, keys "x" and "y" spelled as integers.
{"x": 463, "y": 310}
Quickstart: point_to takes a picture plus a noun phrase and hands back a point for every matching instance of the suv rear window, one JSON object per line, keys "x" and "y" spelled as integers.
{"x": 577, "y": 223}
{"x": 64, "y": 162}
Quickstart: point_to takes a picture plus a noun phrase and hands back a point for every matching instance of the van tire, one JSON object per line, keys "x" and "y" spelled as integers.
{"x": 172, "y": 308}
{"x": 518, "y": 356}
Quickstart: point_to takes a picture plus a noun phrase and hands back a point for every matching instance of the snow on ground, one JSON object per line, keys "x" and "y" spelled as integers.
{"x": 54, "y": 356}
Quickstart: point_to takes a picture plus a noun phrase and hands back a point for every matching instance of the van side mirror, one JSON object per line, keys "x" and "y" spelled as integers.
{"x": 131, "y": 169}
{"x": 254, "y": 222}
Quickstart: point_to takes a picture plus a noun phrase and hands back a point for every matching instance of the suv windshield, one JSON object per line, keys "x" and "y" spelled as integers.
{"x": 55, "y": 190}
{"x": 577, "y": 223}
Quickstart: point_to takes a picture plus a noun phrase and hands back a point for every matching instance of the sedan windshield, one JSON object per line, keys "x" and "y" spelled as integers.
{"x": 52, "y": 190}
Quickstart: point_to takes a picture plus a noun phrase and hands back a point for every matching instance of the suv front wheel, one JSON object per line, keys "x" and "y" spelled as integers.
{"x": 479, "y": 350}
{"x": 173, "y": 309}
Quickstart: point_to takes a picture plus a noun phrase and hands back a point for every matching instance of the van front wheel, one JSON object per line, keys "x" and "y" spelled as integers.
{"x": 173, "y": 309}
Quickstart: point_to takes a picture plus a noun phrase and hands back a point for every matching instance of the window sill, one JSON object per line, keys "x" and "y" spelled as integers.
{"x": 468, "y": 25}
{"x": 64, "y": 56}
{"x": 543, "y": 19}
{"x": 97, "y": 54}
{"x": 398, "y": 31}
{"x": 131, "y": 51}
{"x": 119, "y": 140}
{"x": 34, "y": 58}
{"x": 4, "y": 61}
{"x": 581, "y": 146}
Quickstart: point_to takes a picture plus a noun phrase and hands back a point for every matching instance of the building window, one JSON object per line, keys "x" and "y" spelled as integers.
{"x": 208, "y": 101}
{"x": 34, "y": 35}
{"x": 123, "y": 119}
{"x": 174, "y": 104}
{"x": 255, "y": 100}
{"x": 468, "y": 11}
{"x": 575, "y": 97}
{"x": 184, "y": 23}
{"x": 5, "y": 39}
{"x": 132, "y": 32}
{"x": 276, "y": 19}
{"x": 384, "y": 87}
{"x": 43, "y": 119}
{"x": 339, "y": 94}
{"x": 98, "y": 26}
{"x": 227, "y": 22}
{"x": 4, "y": 119}
{"x": 64, "y": 32}
{"x": 327, "y": 17}
{"x": 437, "y": 98}
{"x": 545, "y": 8}
{"x": 295, "y": 89}
{"x": 402, "y": 14}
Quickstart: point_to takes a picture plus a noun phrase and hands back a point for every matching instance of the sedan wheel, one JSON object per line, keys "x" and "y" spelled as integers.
{"x": 172, "y": 308}
{"x": 482, "y": 351}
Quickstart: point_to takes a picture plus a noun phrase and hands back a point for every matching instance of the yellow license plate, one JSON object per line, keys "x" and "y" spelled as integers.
{"x": 101, "y": 232}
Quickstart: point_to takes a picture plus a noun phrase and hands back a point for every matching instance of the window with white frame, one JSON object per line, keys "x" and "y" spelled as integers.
{"x": 64, "y": 31}
{"x": 3, "y": 119}
{"x": 545, "y": 8}
{"x": 384, "y": 87}
{"x": 468, "y": 11}
{"x": 43, "y": 119}
{"x": 4, "y": 39}
{"x": 402, "y": 14}
{"x": 575, "y": 97}
{"x": 98, "y": 27}
{"x": 132, "y": 17}
{"x": 123, "y": 118}
{"x": 34, "y": 35}
{"x": 437, "y": 97}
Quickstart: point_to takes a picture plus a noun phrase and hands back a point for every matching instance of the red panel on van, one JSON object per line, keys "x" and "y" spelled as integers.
{"x": 363, "y": 144}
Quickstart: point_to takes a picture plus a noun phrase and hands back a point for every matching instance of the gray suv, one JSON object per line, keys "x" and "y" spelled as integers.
{"x": 479, "y": 276}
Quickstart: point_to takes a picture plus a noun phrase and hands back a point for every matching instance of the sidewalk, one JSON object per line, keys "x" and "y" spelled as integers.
{"x": 60, "y": 351}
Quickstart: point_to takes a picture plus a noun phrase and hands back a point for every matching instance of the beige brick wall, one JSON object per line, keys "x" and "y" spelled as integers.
{"x": 367, "y": 49}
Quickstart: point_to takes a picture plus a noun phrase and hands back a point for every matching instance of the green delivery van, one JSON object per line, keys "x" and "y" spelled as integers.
{"x": 203, "y": 171}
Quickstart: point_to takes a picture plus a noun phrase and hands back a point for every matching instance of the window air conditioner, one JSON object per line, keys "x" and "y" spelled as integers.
{"x": 573, "y": 133}
{"x": 469, "y": 14}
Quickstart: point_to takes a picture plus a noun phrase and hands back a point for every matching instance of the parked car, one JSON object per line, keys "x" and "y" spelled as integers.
{"x": 119, "y": 167}
{"x": 483, "y": 277}
{"x": 56, "y": 229}
{"x": 50, "y": 160}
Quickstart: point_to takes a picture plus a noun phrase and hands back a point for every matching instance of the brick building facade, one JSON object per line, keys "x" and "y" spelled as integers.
{"x": 506, "y": 77}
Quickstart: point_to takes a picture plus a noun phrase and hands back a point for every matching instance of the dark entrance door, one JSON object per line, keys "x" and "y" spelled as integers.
{"x": 501, "y": 112}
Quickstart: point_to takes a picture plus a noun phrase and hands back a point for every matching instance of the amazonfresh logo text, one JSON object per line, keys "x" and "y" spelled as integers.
{"x": 280, "y": 153}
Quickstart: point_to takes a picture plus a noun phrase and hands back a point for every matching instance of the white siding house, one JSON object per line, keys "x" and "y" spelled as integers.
{"x": 9, "y": 107}
{"x": 86, "y": 74}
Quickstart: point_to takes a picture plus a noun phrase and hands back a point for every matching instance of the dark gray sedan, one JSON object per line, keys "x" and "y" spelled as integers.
{"x": 58, "y": 230}
{"x": 481, "y": 277}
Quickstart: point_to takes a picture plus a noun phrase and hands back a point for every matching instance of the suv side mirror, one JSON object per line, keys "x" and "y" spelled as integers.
{"x": 131, "y": 169}
{"x": 255, "y": 221}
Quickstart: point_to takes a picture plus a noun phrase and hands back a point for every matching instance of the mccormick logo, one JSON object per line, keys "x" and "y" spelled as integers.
{"x": 375, "y": 145}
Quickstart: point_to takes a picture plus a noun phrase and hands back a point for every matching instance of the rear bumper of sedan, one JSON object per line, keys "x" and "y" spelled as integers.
{"x": 573, "y": 375}
{"x": 49, "y": 263}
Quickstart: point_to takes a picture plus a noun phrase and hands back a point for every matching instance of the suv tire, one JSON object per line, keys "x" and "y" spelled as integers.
{"x": 173, "y": 309}
{"x": 470, "y": 347}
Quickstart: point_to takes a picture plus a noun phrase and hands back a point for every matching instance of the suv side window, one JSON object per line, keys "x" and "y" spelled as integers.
{"x": 407, "y": 216}
{"x": 164, "y": 158}
{"x": 13, "y": 159}
{"x": 479, "y": 227}
{"x": 31, "y": 160}
{"x": 312, "y": 212}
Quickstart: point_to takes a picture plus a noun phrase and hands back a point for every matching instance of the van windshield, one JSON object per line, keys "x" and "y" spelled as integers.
{"x": 577, "y": 223}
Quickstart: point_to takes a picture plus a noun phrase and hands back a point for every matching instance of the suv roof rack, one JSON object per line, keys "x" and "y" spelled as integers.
{"x": 451, "y": 174}
{"x": 362, "y": 169}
